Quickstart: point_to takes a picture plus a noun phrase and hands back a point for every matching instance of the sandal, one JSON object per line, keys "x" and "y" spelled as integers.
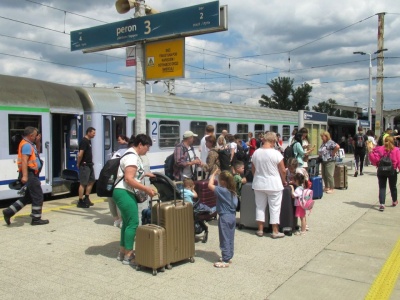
{"x": 259, "y": 233}
{"x": 221, "y": 264}
{"x": 395, "y": 203}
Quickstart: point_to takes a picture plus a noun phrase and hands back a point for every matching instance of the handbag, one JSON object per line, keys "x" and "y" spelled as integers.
{"x": 140, "y": 196}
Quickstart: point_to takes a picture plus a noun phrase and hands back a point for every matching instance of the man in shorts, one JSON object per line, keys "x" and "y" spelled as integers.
{"x": 86, "y": 172}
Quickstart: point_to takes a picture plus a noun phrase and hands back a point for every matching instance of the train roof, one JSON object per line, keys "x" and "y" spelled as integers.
{"x": 37, "y": 95}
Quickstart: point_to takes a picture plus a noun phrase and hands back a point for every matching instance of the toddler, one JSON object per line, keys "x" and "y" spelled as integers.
{"x": 299, "y": 181}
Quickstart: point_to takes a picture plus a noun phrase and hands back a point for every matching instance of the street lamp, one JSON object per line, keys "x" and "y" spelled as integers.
{"x": 370, "y": 83}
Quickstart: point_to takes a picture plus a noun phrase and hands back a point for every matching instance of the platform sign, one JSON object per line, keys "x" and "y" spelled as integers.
{"x": 188, "y": 21}
{"x": 165, "y": 59}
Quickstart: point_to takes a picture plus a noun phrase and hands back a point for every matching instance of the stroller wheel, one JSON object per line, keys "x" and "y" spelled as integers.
{"x": 205, "y": 237}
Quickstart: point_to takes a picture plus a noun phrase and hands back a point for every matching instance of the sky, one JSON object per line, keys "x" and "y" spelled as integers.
{"x": 309, "y": 41}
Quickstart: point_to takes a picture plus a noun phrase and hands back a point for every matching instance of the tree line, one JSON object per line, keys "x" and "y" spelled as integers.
{"x": 286, "y": 97}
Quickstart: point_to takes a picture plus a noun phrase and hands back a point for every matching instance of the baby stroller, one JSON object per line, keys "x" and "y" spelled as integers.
{"x": 168, "y": 191}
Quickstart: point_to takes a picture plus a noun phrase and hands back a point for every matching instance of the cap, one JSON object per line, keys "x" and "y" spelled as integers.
{"x": 188, "y": 134}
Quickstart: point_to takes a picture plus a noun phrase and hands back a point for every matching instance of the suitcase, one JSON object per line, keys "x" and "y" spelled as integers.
{"x": 248, "y": 209}
{"x": 287, "y": 218}
{"x": 178, "y": 220}
{"x": 317, "y": 188}
{"x": 151, "y": 246}
{"x": 340, "y": 176}
{"x": 205, "y": 195}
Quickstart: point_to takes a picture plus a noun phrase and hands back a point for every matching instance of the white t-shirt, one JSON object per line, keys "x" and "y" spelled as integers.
{"x": 203, "y": 150}
{"x": 130, "y": 160}
{"x": 267, "y": 176}
{"x": 233, "y": 145}
{"x": 187, "y": 171}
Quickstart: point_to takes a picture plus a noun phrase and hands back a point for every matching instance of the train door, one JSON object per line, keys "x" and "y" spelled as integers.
{"x": 113, "y": 126}
{"x": 66, "y": 134}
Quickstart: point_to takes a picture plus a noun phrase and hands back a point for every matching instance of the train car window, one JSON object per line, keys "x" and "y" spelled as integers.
{"x": 16, "y": 126}
{"x": 198, "y": 128}
{"x": 169, "y": 134}
{"x": 134, "y": 127}
{"x": 258, "y": 128}
{"x": 285, "y": 133}
{"x": 107, "y": 134}
{"x": 73, "y": 135}
{"x": 222, "y": 126}
{"x": 273, "y": 128}
{"x": 242, "y": 130}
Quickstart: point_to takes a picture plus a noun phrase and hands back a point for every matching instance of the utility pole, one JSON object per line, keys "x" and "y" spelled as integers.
{"x": 379, "y": 78}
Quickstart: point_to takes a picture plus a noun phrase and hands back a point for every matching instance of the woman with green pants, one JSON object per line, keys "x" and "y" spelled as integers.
{"x": 327, "y": 153}
{"x": 129, "y": 178}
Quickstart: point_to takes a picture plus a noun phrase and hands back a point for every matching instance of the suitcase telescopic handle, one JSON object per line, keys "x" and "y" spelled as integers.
{"x": 183, "y": 192}
{"x": 159, "y": 204}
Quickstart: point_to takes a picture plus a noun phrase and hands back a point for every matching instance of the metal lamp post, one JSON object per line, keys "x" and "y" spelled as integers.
{"x": 370, "y": 83}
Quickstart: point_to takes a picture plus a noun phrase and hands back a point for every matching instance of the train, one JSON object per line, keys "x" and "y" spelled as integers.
{"x": 62, "y": 113}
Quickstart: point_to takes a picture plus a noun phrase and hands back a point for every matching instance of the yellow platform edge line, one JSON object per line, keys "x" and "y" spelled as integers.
{"x": 55, "y": 209}
{"x": 386, "y": 280}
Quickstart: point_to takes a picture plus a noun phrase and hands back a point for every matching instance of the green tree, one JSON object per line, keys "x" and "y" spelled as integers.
{"x": 285, "y": 96}
{"x": 327, "y": 107}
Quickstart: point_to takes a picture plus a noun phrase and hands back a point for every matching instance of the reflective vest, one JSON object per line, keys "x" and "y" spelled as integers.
{"x": 32, "y": 162}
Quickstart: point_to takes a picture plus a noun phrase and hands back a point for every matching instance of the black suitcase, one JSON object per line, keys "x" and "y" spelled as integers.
{"x": 288, "y": 210}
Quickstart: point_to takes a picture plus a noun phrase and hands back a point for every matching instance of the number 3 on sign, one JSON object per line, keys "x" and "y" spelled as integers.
{"x": 147, "y": 26}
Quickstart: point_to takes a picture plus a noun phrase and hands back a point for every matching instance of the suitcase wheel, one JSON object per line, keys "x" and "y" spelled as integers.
{"x": 192, "y": 259}
{"x": 169, "y": 267}
{"x": 162, "y": 269}
{"x": 240, "y": 226}
{"x": 154, "y": 272}
{"x": 137, "y": 268}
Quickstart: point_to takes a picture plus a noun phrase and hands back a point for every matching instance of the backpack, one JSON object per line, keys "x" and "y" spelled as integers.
{"x": 241, "y": 154}
{"x": 108, "y": 176}
{"x": 169, "y": 166}
{"x": 288, "y": 153}
{"x": 224, "y": 157}
{"x": 385, "y": 166}
{"x": 306, "y": 201}
{"x": 360, "y": 141}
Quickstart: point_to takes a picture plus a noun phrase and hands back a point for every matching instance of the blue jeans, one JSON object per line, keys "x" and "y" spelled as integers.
{"x": 226, "y": 229}
{"x": 392, "y": 186}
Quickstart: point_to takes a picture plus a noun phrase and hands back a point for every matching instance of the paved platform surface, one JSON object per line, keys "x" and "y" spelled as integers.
{"x": 74, "y": 257}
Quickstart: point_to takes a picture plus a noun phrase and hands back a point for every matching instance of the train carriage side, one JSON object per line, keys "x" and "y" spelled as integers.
{"x": 55, "y": 110}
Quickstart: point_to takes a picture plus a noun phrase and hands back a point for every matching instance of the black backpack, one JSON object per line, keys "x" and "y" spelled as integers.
{"x": 108, "y": 176}
{"x": 241, "y": 153}
{"x": 385, "y": 166}
{"x": 288, "y": 153}
{"x": 224, "y": 157}
{"x": 169, "y": 166}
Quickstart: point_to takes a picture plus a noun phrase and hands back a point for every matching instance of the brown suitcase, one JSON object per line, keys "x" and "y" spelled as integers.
{"x": 177, "y": 218}
{"x": 151, "y": 247}
{"x": 340, "y": 176}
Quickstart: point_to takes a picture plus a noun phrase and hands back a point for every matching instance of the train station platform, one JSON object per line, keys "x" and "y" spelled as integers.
{"x": 352, "y": 250}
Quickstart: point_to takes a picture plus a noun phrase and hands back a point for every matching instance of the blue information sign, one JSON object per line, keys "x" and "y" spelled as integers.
{"x": 315, "y": 116}
{"x": 181, "y": 22}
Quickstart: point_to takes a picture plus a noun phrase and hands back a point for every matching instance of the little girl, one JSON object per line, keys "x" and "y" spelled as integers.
{"x": 227, "y": 202}
{"x": 299, "y": 181}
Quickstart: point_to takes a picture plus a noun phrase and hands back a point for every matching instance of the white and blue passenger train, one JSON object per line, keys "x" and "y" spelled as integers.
{"x": 62, "y": 113}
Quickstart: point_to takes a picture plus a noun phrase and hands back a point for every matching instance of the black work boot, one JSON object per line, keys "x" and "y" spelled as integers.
{"x": 39, "y": 221}
{"x": 8, "y": 213}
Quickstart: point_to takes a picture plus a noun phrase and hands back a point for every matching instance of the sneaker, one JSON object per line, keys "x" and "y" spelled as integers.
{"x": 382, "y": 207}
{"x": 277, "y": 235}
{"x": 87, "y": 200}
{"x": 129, "y": 261}
{"x": 83, "y": 204}
{"x": 7, "y": 217}
{"x": 120, "y": 256}
{"x": 356, "y": 174}
{"x": 39, "y": 222}
{"x": 229, "y": 261}
{"x": 361, "y": 173}
{"x": 118, "y": 223}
